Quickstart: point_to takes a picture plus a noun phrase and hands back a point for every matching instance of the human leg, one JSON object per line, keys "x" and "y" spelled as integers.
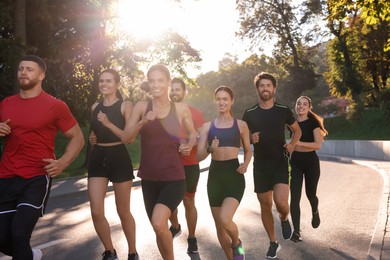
{"x": 281, "y": 193}
{"x": 267, "y": 218}
{"x": 97, "y": 189}
{"x": 23, "y": 202}
{"x": 192, "y": 178}
{"x": 296, "y": 191}
{"x": 122, "y": 199}
{"x": 23, "y": 224}
{"x": 6, "y": 246}
{"x": 191, "y": 214}
{"x": 164, "y": 238}
{"x": 167, "y": 196}
{"x": 7, "y": 212}
{"x": 311, "y": 183}
{"x": 223, "y": 237}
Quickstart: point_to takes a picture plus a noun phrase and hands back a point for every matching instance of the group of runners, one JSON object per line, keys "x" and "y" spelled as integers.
{"x": 174, "y": 139}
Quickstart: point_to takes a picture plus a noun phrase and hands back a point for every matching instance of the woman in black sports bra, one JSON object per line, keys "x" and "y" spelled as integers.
{"x": 223, "y": 137}
{"x": 110, "y": 161}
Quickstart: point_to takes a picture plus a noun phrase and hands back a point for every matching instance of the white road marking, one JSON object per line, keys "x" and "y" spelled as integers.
{"x": 46, "y": 245}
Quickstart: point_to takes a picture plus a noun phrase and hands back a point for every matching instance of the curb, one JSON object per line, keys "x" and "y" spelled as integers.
{"x": 375, "y": 249}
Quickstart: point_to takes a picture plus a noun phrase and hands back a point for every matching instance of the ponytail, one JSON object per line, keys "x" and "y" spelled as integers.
{"x": 119, "y": 95}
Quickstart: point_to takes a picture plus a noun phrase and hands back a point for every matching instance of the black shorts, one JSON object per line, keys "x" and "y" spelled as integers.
{"x": 112, "y": 162}
{"x": 192, "y": 177}
{"x": 168, "y": 193}
{"x": 224, "y": 181}
{"x": 266, "y": 178}
{"x": 32, "y": 192}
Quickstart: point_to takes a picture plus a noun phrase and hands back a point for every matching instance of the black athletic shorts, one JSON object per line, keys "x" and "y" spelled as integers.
{"x": 168, "y": 193}
{"x": 112, "y": 162}
{"x": 19, "y": 192}
{"x": 192, "y": 177}
{"x": 224, "y": 181}
{"x": 266, "y": 178}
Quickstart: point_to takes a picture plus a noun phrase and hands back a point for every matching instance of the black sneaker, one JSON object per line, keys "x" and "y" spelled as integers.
{"x": 315, "y": 221}
{"x": 296, "y": 237}
{"x": 108, "y": 255}
{"x": 273, "y": 250}
{"x": 175, "y": 231}
{"x": 238, "y": 251}
{"x": 192, "y": 245}
{"x": 286, "y": 229}
{"x": 133, "y": 256}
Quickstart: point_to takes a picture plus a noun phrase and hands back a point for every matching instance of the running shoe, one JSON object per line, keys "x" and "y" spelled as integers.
{"x": 273, "y": 250}
{"x": 108, "y": 255}
{"x": 286, "y": 229}
{"x": 175, "y": 231}
{"x": 296, "y": 237}
{"x": 37, "y": 253}
{"x": 133, "y": 256}
{"x": 315, "y": 221}
{"x": 192, "y": 245}
{"x": 238, "y": 251}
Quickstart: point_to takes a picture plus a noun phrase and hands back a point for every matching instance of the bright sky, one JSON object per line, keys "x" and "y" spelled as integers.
{"x": 209, "y": 25}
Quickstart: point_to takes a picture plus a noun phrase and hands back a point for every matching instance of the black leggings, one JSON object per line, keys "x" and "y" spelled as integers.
{"x": 22, "y": 203}
{"x": 16, "y": 230}
{"x": 303, "y": 164}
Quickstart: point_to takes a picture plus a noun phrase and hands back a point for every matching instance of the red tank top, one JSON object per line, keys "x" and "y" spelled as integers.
{"x": 160, "y": 140}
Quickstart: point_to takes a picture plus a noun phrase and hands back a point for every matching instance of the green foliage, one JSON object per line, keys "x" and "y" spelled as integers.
{"x": 358, "y": 61}
{"x": 237, "y": 76}
{"x": 371, "y": 126}
{"x": 76, "y": 40}
{"x": 277, "y": 20}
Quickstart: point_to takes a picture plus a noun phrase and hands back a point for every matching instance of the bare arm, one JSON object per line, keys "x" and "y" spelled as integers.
{"x": 246, "y": 145}
{"x": 202, "y": 144}
{"x": 126, "y": 109}
{"x": 136, "y": 121}
{"x": 318, "y": 139}
{"x": 296, "y": 134}
{"x": 73, "y": 148}
{"x": 186, "y": 120}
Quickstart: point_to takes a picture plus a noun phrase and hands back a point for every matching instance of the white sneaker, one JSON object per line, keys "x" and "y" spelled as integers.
{"x": 37, "y": 254}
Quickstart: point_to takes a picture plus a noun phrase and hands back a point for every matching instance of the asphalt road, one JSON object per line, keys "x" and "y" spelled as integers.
{"x": 349, "y": 197}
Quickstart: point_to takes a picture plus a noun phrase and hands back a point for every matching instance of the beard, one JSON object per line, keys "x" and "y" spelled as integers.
{"x": 176, "y": 98}
{"x": 26, "y": 84}
{"x": 265, "y": 97}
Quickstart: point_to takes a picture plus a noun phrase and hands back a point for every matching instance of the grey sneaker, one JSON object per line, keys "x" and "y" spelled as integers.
{"x": 192, "y": 245}
{"x": 175, "y": 231}
{"x": 108, "y": 255}
{"x": 273, "y": 250}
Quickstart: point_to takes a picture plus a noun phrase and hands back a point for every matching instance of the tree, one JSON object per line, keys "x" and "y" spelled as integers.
{"x": 77, "y": 41}
{"x": 239, "y": 77}
{"x": 265, "y": 20}
{"x": 359, "y": 59}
